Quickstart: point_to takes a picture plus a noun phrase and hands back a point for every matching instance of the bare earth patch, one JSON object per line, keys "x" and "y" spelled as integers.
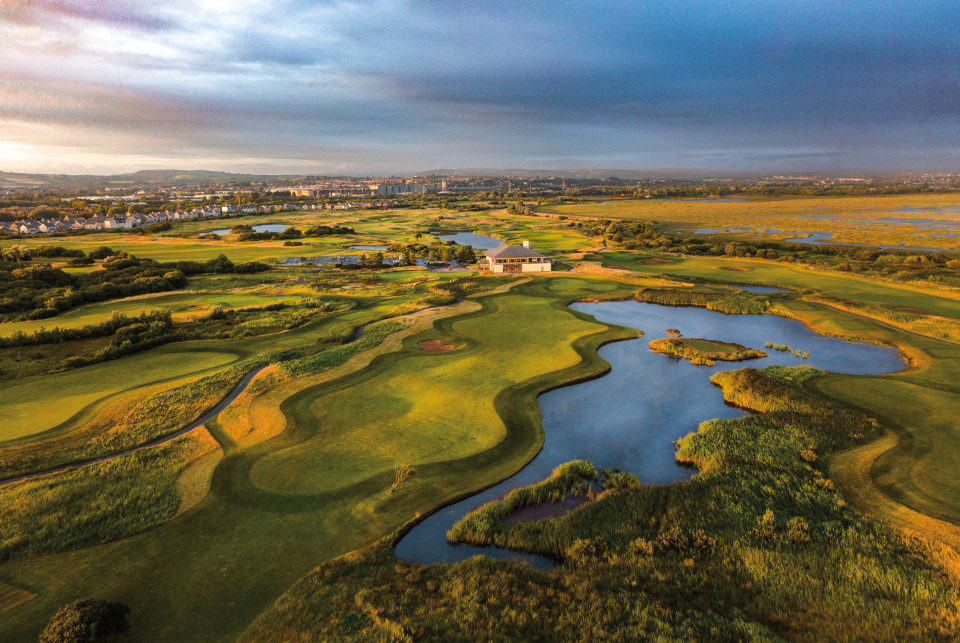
{"x": 905, "y": 309}
{"x": 594, "y": 267}
{"x": 434, "y": 346}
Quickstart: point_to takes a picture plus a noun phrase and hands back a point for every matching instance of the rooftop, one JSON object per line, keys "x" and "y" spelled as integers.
{"x": 507, "y": 251}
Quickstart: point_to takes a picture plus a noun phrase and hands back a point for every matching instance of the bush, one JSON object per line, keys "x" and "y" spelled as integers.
{"x": 87, "y": 620}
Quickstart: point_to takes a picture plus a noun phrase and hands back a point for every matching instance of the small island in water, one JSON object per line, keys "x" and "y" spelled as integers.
{"x": 703, "y": 352}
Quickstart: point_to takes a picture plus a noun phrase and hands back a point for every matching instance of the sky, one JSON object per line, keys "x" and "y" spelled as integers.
{"x": 380, "y": 87}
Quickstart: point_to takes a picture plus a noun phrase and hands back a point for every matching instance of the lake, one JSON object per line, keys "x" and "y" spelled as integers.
{"x": 470, "y": 239}
{"x": 265, "y": 227}
{"x": 631, "y": 417}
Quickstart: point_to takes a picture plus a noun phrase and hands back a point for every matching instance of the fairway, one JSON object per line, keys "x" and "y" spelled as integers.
{"x": 38, "y": 404}
{"x": 333, "y": 506}
{"x": 413, "y": 412}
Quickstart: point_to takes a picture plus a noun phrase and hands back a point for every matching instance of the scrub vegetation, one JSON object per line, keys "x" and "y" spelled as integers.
{"x": 704, "y": 351}
{"x": 758, "y": 546}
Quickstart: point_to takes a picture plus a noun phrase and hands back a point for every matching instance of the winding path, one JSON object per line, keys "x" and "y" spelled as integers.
{"x": 206, "y": 417}
{"x": 203, "y": 419}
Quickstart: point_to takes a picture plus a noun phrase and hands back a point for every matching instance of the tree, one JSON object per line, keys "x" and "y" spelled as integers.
{"x": 17, "y": 254}
{"x": 465, "y": 254}
{"x": 87, "y": 620}
{"x": 376, "y": 259}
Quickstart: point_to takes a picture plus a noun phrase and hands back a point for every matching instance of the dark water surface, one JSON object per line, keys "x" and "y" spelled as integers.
{"x": 265, "y": 227}
{"x": 631, "y": 417}
{"x": 469, "y": 239}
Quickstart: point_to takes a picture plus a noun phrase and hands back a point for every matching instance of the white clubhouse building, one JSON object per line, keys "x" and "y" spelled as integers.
{"x": 510, "y": 258}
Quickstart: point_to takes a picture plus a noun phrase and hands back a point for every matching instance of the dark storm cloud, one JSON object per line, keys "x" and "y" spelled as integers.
{"x": 648, "y": 84}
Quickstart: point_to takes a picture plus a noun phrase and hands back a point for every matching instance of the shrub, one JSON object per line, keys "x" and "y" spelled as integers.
{"x": 766, "y": 528}
{"x": 87, "y": 620}
{"x": 798, "y": 531}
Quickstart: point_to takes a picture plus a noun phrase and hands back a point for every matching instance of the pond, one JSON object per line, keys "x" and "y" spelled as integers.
{"x": 265, "y": 227}
{"x": 369, "y": 247}
{"x": 631, "y": 417}
{"x": 469, "y": 239}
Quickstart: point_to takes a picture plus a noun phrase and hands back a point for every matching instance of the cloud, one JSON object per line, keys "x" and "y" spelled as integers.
{"x": 438, "y": 83}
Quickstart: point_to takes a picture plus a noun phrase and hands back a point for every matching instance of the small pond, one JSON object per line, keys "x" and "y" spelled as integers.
{"x": 632, "y": 416}
{"x": 470, "y": 239}
{"x": 369, "y": 247}
{"x": 265, "y": 227}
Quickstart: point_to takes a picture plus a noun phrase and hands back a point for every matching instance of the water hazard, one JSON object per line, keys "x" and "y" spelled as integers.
{"x": 471, "y": 239}
{"x": 631, "y": 417}
{"x": 265, "y": 227}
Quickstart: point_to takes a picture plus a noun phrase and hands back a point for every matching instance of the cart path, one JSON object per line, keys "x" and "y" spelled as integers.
{"x": 206, "y": 417}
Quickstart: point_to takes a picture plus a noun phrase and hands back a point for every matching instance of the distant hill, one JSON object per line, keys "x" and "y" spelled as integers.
{"x": 133, "y": 179}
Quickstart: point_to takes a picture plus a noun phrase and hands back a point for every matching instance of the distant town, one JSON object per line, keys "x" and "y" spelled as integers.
{"x": 32, "y": 204}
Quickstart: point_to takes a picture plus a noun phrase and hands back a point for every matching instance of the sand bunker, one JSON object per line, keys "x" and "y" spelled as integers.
{"x": 434, "y": 346}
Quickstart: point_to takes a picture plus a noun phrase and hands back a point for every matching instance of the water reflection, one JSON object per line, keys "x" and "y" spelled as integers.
{"x": 631, "y": 417}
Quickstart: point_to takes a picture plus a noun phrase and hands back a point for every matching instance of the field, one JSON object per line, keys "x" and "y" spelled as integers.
{"x": 321, "y": 523}
{"x": 917, "y": 220}
{"x": 219, "y": 531}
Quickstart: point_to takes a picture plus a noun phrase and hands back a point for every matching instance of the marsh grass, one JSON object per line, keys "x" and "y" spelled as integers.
{"x": 932, "y": 326}
{"x": 99, "y": 503}
{"x": 759, "y": 546}
{"x": 702, "y": 351}
{"x": 480, "y": 526}
{"x": 127, "y": 422}
{"x": 741, "y": 303}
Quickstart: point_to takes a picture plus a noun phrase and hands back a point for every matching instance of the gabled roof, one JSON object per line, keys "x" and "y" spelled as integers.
{"x": 507, "y": 251}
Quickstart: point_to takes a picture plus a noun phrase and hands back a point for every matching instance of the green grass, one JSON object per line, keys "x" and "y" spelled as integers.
{"x": 759, "y": 546}
{"x": 421, "y": 393}
{"x": 794, "y": 216}
{"x": 232, "y": 523}
{"x": 37, "y": 405}
{"x": 751, "y": 271}
{"x": 182, "y": 305}
{"x": 127, "y": 421}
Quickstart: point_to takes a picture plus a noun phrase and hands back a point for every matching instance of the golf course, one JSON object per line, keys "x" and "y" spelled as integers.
{"x": 357, "y": 404}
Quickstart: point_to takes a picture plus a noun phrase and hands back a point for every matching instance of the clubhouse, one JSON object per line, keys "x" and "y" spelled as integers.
{"x": 510, "y": 258}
